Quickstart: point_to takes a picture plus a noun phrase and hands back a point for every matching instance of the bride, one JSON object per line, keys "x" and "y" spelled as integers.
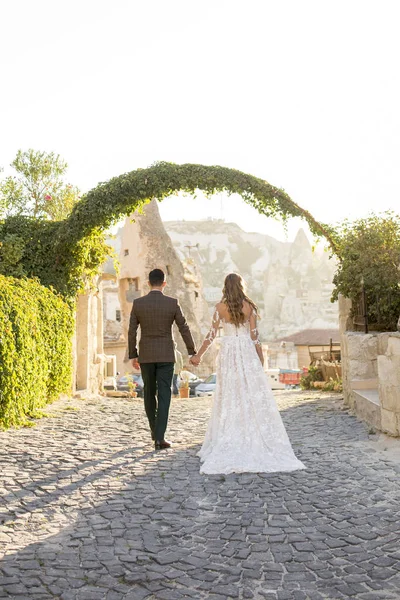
{"x": 245, "y": 433}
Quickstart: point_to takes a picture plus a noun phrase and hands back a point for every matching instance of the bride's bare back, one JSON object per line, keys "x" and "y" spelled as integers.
{"x": 224, "y": 312}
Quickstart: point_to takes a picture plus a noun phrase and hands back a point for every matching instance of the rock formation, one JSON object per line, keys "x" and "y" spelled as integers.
{"x": 291, "y": 284}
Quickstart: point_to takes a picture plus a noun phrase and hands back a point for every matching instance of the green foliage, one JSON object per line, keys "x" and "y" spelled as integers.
{"x": 314, "y": 374}
{"x": 32, "y": 247}
{"x": 106, "y": 203}
{"x": 333, "y": 385}
{"x": 36, "y": 328}
{"x": 11, "y": 252}
{"x": 38, "y": 189}
{"x": 314, "y": 380}
{"x": 369, "y": 250}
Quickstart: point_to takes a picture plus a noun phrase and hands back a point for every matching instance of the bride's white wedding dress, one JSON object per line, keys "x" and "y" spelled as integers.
{"x": 245, "y": 433}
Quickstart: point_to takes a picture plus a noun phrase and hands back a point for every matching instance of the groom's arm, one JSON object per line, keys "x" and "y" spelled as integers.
{"x": 132, "y": 334}
{"x": 184, "y": 330}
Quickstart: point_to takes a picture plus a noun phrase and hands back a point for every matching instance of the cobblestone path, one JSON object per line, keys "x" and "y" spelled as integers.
{"x": 89, "y": 512}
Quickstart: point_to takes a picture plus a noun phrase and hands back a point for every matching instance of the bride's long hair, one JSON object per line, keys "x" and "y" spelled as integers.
{"x": 233, "y": 295}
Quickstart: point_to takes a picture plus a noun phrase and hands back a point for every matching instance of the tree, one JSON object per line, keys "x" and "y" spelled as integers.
{"x": 38, "y": 189}
{"x": 369, "y": 251}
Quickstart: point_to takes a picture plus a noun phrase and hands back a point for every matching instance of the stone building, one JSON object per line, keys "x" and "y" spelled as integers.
{"x": 313, "y": 342}
{"x": 282, "y": 355}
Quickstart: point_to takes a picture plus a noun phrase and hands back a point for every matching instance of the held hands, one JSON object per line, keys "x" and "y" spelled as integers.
{"x": 195, "y": 360}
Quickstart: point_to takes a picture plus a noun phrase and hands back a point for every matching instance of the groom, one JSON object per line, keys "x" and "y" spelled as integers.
{"x": 156, "y": 313}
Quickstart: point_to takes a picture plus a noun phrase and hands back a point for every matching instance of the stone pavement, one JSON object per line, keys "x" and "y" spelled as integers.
{"x": 89, "y": 512}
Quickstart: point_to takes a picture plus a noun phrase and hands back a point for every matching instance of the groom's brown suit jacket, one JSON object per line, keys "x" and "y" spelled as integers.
{"x": 156, "y": 314}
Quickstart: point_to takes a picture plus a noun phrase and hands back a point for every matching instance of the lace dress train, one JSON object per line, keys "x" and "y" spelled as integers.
{"x": 245, "y": 433}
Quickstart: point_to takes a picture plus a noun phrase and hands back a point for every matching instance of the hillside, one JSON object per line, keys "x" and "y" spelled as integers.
{"x": 291, "y": 284}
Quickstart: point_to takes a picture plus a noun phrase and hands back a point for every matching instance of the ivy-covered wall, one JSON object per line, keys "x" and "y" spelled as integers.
{"x": 35, "y": 248}
{"x": 36, "y": 328}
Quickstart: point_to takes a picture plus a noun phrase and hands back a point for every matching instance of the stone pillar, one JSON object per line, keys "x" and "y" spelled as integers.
{"x": 89, "y": 353}
{"x": 344, "y": 326}
{"x": 82, "y": 368}
{"x": 95, "y": 385}
{"x": 361, "y": 352}
{"x": 389, "y": 381}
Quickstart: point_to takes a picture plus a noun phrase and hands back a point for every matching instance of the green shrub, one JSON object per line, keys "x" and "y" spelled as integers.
{"x": 36, "y": 328}
{"x": 314, "y": 381}
{"x": 314, "y": 374}
{"x": 369, "y": 250}
{"x": 333, "y": 385}
{"x": 32, "y": 248}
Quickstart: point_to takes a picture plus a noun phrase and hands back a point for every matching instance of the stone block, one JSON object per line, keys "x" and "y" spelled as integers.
{"x": 389, "y": 370}
{"x": 362, "y": 353}
{"x": 383, "y": 339}
{"x": 369, "y": 346}
{"x": 390, "y": 422}
{"x": 367, "y": 409}
{"x": 354, "y": 344}
{"x": 394, "y": 344}
{"x": 362, "y": 369}
{"x": 348, "y": 397}
{"x": 345, "y": 321}
{"x": 364, "y": 384}
{"x": 390, "y": 397}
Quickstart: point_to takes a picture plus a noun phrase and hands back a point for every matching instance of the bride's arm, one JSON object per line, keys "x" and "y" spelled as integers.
{"x": 210, "y": 337}
{"x": 254, "y": 336}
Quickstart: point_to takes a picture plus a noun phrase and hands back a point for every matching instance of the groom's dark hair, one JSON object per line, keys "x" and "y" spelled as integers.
{"x": 156, "y": 277}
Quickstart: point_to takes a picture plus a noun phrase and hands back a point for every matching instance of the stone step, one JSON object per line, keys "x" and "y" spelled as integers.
{"x": 364, "y": 384}
{"x": 368, "y": 406}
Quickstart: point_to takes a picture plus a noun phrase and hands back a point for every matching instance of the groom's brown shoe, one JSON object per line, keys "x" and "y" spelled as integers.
{"x": 163, "y": 445}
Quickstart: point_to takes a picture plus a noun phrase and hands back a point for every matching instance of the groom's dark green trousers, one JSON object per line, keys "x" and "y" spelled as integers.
{"x": 157, "y": 379}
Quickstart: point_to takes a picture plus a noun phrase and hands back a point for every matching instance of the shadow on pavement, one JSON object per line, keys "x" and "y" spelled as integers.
{"x": 148, "y": 525}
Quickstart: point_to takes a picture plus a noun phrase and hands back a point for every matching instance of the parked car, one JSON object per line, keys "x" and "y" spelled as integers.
{"x": 123, "y": 385}
{"x": 139, "y": 384}
{"x": 194, "y": 381}
{"x": 206, "y": 388}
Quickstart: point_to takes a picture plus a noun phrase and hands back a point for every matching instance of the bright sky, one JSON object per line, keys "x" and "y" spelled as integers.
{"x": 304, "y": 94}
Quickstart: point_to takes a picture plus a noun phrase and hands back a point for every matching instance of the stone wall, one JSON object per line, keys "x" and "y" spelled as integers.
{"x": 389, "y": 381}
{"x": 360, "y": 360}
{"x": 371, "y": 373}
